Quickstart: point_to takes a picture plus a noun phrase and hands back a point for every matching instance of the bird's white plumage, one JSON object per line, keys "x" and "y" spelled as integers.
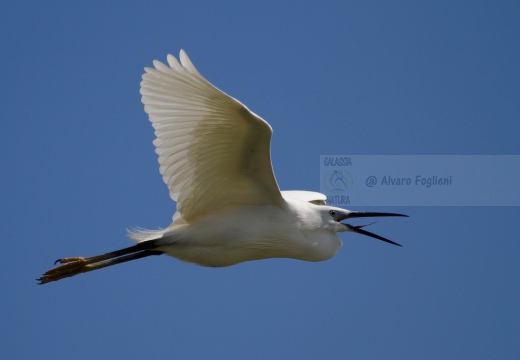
{"x": 309, "y": 196}
{"x": 214, "y": 153}
{"x": 214, "y": 156}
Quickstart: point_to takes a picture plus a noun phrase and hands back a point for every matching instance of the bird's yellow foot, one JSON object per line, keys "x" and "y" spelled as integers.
{"x": 71, "y": 266}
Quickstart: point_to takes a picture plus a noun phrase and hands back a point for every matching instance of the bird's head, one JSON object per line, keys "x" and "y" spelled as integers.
{"x": 332, "y": 217}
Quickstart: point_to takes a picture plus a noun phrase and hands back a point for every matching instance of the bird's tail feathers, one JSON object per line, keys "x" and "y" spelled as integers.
{"x": 140, "y": 235}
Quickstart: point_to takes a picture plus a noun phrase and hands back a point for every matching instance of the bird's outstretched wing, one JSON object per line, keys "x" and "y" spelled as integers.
{"x": 213, "y": 151}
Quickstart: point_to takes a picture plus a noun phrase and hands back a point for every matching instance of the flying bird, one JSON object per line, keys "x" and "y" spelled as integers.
{"x": 214, "y": 155}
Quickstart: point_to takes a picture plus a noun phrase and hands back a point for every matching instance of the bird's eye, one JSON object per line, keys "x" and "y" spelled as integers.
{"x": 332, "y": 213}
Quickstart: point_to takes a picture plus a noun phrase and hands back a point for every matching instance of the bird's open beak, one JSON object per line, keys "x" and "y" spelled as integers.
{"x": 359, "y": 230}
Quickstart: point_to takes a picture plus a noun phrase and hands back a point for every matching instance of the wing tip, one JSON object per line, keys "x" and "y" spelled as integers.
{"x": 187, "y": 64}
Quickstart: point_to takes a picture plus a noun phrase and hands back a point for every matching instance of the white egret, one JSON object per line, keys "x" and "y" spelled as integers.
{"x": 214, "y": 156}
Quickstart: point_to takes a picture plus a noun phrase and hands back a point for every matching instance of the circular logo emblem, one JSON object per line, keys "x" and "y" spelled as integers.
{"x": 337, "y": 181}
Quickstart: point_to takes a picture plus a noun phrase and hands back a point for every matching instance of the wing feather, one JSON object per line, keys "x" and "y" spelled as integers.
{"x": 309, "y": 196}
{"x": 213, "y": 151}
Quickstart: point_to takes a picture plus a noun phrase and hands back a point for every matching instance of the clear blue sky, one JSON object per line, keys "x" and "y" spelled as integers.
{"x": 378, "y": 77}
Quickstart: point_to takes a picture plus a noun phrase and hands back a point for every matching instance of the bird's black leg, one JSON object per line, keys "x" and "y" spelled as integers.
{"x": 77, "y": 265}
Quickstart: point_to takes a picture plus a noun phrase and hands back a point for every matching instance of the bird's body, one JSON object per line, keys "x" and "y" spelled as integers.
{"x": 256, "y": 232}
{"x": 214, "y": 155}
